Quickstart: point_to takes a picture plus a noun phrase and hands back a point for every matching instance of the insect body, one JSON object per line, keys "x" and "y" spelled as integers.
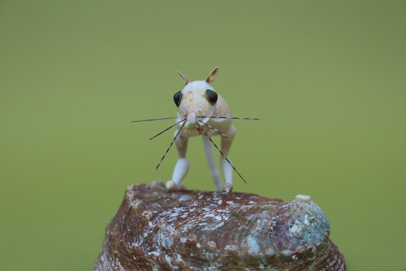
{"x": 201, "y": 111}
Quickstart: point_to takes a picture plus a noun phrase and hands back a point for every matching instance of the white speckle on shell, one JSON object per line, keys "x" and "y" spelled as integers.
{"x": 306, "y": 221}
{"x": 179, "y": 258}
{"x": 218, "y": 218}
{"x": 168, "y": 259}
{"x": 293, "y": 229}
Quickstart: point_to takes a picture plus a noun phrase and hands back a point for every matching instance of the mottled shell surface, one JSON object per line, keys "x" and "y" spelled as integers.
{"x": 193, "y": 230}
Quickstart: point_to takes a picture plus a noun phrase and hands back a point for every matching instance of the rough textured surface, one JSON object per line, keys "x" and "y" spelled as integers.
{"x": 193, "y": 230}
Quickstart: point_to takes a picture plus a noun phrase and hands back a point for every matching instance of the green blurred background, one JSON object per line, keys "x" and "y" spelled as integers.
{"x": 327, "y": 80}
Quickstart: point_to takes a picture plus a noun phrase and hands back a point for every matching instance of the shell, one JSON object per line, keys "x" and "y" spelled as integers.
{"x": 193, "y": 230}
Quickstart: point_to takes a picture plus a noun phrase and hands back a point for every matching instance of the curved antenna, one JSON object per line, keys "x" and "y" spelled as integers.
{"x": 220, "y": 151}
{"x": 234, "y": 118}
{"x": 167, "y": 129}
{"x": 170, "y": 146}
{"x": 212, "y": 75}
{"x": 211, "y": 127}
{"x": 154, "y": 119}
{"x": 185, "y": 81}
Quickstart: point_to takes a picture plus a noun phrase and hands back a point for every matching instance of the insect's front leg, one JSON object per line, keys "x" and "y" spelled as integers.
{"x": 182, "y": 166}
{"x": 225, "y": 166}
{"x": 208, "y": 150}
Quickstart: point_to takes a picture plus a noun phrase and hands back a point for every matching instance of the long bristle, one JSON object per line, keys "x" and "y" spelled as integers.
{"x": 214, "y": 129}
{"x": 170, "y": 146}
{"x": 154, "y": 119}
{"x": 234, "y": 118}
{"x": 167, "y": 129}
{"x": 228, "y": 161}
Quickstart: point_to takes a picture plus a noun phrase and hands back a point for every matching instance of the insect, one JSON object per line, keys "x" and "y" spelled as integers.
{"x": 201, "y": 111}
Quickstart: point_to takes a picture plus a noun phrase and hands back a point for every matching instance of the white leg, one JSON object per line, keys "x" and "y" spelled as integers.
{"x": 225, "y": 166}
{"x": 179, "y": 172}
{"x": 227, "y": 174}
{"x": 182, "y": 166}
{"x": 208, "y": 150}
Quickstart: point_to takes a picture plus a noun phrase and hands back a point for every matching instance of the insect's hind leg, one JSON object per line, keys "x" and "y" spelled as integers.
{"x": 208, "y": 150}
{"x": 225, "y": 166}
{"x": 182, "y": 165}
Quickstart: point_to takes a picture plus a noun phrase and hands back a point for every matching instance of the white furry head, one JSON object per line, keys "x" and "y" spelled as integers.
{"x": 197, "y": 97}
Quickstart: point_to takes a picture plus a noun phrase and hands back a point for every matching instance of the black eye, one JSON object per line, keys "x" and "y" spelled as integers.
{"x": 177, "y": 97}
{"x": 211, "y": 96}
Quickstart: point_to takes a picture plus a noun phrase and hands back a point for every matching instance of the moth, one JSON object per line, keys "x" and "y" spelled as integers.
{"x": 201, "y": 111}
